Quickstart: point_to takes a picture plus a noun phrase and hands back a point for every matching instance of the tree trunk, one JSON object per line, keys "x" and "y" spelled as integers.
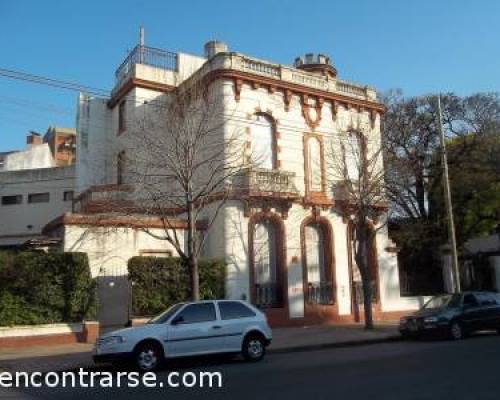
{"x": 361, "y": 257}
{"x": 195, "y": 278}
{"x": 192, "y": 260}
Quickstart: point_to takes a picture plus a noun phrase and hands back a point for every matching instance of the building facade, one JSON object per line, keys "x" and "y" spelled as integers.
{"x": 288, "y": 240}
{"x": 35, "y": 187}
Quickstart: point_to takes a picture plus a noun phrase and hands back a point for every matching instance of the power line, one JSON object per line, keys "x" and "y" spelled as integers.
{"x": 57, "y": 83}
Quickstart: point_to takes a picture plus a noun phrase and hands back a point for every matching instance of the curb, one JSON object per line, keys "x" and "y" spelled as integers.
{"x": 270, "y": 351}
{"x": 333, "y": 345}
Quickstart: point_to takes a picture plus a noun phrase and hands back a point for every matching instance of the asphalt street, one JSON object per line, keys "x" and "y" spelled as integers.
{"x": 468, "y": 369}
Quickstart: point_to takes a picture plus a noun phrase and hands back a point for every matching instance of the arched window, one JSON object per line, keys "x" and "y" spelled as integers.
{"x": 263, "y": 142}
{"x": 318, "y": 276}
{"x": 353, "y": 153}
{"x": 315, "y": 175}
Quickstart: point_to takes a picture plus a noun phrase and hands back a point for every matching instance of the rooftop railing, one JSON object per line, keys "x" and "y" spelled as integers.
{"x": 147, "y": 56}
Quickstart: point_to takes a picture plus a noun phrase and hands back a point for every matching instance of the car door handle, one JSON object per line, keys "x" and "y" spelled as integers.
{"x": 216, "y": 327}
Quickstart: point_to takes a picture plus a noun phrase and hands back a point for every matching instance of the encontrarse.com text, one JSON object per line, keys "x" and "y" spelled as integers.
{"x": 104, "y": 379}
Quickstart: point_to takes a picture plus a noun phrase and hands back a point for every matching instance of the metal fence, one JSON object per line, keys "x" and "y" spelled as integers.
{"x": 320, "y": 293}
{"x": 147, "y": 56}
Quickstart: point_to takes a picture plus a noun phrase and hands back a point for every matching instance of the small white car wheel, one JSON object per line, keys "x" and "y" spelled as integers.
{"x": 254, "y": 348}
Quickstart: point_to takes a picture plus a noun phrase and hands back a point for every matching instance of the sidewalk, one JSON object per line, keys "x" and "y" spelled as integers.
{"x": 72, "y": 356}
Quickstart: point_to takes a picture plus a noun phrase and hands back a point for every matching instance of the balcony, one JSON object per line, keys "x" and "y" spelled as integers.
{"x": 150, "y": 56}
{"x": 261, "y": 182}
{"x": 104, "y": 199}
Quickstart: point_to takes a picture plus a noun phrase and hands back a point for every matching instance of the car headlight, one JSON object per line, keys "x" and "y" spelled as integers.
{"x": 431, "y": 320}
{"x": 105, "y": 341}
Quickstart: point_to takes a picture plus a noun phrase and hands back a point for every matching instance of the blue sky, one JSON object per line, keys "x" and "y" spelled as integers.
{"x": 420, "y": 46}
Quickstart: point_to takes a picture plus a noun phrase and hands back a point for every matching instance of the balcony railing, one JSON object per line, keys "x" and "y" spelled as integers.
{"x": 320, "y": 293}
{"x": 265, "y": 182}
{"x": 104, "y": 198}
{"x": 147, "y": 56}
{"x": 267, "y": 295}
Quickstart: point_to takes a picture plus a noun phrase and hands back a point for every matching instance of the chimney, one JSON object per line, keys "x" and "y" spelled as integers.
{"x": 214, "y": 47}
{"x": 33, "y": 139}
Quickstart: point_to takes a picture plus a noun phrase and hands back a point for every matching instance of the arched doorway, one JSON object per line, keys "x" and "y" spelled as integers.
{"x": 266, "y": 248}
{"x": 318, "y": 262}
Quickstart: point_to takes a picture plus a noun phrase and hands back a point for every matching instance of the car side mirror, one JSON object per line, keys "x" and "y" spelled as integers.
{"x": 177, "y": 320}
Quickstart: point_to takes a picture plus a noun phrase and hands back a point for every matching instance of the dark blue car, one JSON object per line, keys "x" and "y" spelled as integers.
{"x": 454, "y": 316}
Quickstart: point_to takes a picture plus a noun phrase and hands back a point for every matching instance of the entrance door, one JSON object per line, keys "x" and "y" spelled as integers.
{"x": 112, "y": 296}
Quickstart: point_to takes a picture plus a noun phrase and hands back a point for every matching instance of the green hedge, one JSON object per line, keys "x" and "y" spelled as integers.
{"x": 158, "y": 282}
{"x": 38, "y": 287}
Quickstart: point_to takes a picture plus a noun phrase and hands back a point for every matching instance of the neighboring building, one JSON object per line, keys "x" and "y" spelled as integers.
{"x": 480, "y": 269}
{"x": 34, "y": 187}
{"x": 305, "y": 271}
{"x": 62, "y": 144}
{"x": 29, "y": 199}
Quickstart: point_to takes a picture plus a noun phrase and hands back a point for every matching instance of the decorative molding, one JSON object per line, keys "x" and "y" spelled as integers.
{"x": 290, "y": 88}
{"x": 310, "y": 195}
{"x": 318, "y": 105}
{"x": 287, "y": 98}
{"x": 238, "y": 84}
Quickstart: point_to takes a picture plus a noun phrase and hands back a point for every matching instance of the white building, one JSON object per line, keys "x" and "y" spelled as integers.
{"x": 306, "y": 272}
{"x": 36, "y": 186}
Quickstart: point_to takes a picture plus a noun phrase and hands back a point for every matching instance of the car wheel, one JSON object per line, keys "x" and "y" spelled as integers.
{"x": 254, "y": 348}
{"x": 456, "y": 331}
{"x": 148, "y": 356}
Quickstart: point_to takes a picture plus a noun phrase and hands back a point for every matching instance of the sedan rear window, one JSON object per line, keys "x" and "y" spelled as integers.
{"x": 234, "y": 309}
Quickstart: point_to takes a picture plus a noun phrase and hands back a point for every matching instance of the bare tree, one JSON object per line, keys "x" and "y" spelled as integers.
{"x": 356, "y": 174}
{"x": 183, "y": 161}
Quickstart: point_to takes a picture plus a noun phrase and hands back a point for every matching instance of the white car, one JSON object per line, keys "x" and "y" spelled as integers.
{"x": 188, "y": 329}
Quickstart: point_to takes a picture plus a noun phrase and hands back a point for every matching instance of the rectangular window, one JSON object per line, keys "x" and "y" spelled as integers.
{"x": 10, "y": 200}
{"x": 68, "y": 195}
{"x": 122, "y": 117}
{"x": 234, "y": 310}
{"x": 39, "y": 197}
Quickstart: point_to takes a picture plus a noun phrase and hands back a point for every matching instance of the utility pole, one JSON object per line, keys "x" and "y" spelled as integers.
{"x": 447, "y": 199}
{"x": 141, "y": 44}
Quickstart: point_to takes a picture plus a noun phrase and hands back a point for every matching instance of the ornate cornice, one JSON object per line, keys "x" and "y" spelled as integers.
{"x": 289, "y": 89}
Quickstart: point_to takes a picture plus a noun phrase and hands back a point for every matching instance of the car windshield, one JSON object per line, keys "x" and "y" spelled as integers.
{"x": 165, "y": 315}
{"x": 446, "y": 300}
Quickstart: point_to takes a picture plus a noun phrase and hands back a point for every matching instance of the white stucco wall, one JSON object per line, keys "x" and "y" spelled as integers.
{"x": 36, "y": 156}
{"x": 109, "y": 249}
{"x": 16, "y": 219}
